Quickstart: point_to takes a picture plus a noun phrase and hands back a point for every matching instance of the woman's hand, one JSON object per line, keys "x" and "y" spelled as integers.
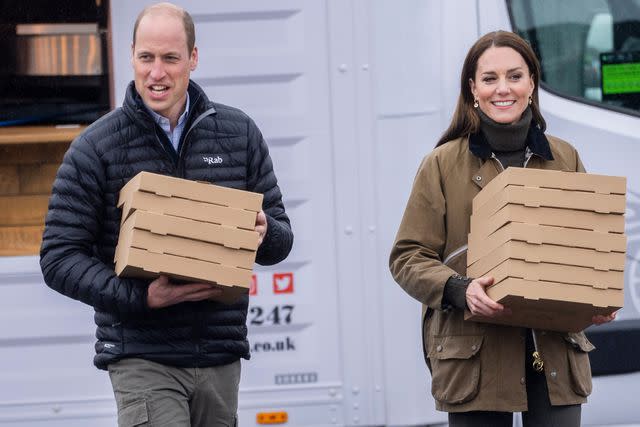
{"x": 600, "y": 319}
{"x": 478, "y": 301}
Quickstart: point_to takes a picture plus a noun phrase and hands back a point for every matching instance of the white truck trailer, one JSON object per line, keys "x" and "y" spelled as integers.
{"x": 350, "y": 95}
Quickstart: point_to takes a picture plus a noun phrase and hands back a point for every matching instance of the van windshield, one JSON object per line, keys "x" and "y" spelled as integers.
{"x": 588, "y": 49}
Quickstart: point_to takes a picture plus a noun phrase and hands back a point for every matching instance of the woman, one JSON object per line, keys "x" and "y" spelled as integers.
{"x": 481, "y": 372}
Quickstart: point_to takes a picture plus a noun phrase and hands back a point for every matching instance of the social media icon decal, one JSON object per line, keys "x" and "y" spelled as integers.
{"x": 253, "y": 288}
{"x": 282, "y": 283}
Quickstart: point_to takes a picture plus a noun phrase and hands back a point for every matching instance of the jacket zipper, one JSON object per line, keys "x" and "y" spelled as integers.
{"x": 180, "y": 172}
{"x": 186, "y": 137}
{"x": 538, "y": 363}
{"x": 455, "y": 254}
{"x": 493, "y": 156}
{"x": 528, "y": 154}
{"x": 164, "y": 150}
{"x": 155, "y": 128}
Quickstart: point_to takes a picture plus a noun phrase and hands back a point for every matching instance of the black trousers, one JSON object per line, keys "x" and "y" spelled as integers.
{"x": 540, "y": 413}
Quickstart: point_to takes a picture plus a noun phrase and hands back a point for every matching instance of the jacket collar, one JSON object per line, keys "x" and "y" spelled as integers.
{"x": 134, "y": 105}
{"x": 536, "y": 142}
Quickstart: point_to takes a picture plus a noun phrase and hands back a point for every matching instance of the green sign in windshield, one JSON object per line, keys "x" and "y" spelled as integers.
{"x": 621, "y": 78}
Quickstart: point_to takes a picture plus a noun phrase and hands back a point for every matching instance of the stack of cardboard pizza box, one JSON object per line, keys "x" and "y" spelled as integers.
{"x": 554, "y": 243}
{"x": 191, "y": 231}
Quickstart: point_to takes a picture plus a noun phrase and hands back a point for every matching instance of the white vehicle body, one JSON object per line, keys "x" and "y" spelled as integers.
{"x": 350, "y": 96}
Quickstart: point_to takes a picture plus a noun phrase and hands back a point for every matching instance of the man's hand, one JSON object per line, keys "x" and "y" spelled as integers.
{"x": 261, "y": 226}
{"x": 478, "y": 301}
{"x": 600, "y": 319}
{"x": 163, "y": 293}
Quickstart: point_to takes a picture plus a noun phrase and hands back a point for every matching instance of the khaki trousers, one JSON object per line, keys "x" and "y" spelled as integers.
{"x": 152, "y": 394}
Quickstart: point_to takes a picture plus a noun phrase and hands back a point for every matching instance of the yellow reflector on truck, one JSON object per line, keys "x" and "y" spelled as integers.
{"x": 272, "y": 417}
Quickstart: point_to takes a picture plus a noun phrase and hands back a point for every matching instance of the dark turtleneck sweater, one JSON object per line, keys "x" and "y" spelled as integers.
{"x": 508, "y": 143}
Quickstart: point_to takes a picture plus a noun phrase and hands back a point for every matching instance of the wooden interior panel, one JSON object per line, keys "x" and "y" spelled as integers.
{"x": 29, "y": 160}
{"x": 20, "y": 241}
{"x": 32, "y": 153}
{"x": 37, "y": 179}
{"x": 9, "y": 180}
{"x": 23, "y": 210}
{"x": 21, "y": 135}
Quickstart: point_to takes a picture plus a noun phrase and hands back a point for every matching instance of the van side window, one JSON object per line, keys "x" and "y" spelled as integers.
{"x": 589, "y": 50}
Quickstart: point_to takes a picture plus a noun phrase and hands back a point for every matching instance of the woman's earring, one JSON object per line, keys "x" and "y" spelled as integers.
{"x": 475, "y": 103}
{"x": 530, "y": 100}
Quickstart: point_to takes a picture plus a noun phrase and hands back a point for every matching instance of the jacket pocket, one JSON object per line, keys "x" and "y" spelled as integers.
{"x": 133, "y": 414}
{"x": 455, "y": 367}
{"x": 579, "y": 366}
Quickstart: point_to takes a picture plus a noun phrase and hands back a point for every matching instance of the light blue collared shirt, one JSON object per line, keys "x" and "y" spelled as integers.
{"x": 164, "y": 123}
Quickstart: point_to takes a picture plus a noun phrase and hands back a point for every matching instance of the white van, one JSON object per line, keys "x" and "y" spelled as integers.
{"x": 350, "y": 95}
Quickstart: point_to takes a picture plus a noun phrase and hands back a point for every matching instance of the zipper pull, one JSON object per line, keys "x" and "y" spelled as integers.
{"x": 538, "y": 364}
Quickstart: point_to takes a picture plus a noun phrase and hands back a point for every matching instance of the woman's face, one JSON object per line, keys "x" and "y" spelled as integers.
{"x": 502, "y": 84}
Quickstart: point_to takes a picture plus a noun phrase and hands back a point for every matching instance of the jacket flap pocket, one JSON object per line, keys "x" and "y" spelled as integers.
{"x": 455, "y": 347}
{"x": 579, "y": 367}
{"x": 579, "y": 341}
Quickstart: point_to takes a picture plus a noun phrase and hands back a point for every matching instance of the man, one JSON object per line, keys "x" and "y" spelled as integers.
{"x": 172, "y": 352}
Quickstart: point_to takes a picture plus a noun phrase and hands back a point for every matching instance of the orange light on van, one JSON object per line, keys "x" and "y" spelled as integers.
{"x": 266, "y": 418}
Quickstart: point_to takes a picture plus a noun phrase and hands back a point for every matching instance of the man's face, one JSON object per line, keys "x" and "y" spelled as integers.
{"x": 162, "y": 64}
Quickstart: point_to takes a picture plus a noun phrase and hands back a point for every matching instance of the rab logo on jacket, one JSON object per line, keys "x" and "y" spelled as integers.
{"x": 212, "y": 160}
{"x": 283, "y": 283}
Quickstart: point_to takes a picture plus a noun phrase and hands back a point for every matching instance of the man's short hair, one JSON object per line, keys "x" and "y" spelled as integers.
{"x": 187, "y": 21}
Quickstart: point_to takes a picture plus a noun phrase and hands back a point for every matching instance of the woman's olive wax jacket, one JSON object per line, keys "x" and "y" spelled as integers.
{"x": 477, "y": 366}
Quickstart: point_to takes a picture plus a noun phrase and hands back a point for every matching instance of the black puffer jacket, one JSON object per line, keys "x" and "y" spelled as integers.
{"x": 82, "y": 226}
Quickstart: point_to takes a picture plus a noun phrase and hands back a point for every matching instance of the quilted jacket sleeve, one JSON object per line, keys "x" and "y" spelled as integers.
{"x": 72, "y": 226}
{"x": 262, "y": 179}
